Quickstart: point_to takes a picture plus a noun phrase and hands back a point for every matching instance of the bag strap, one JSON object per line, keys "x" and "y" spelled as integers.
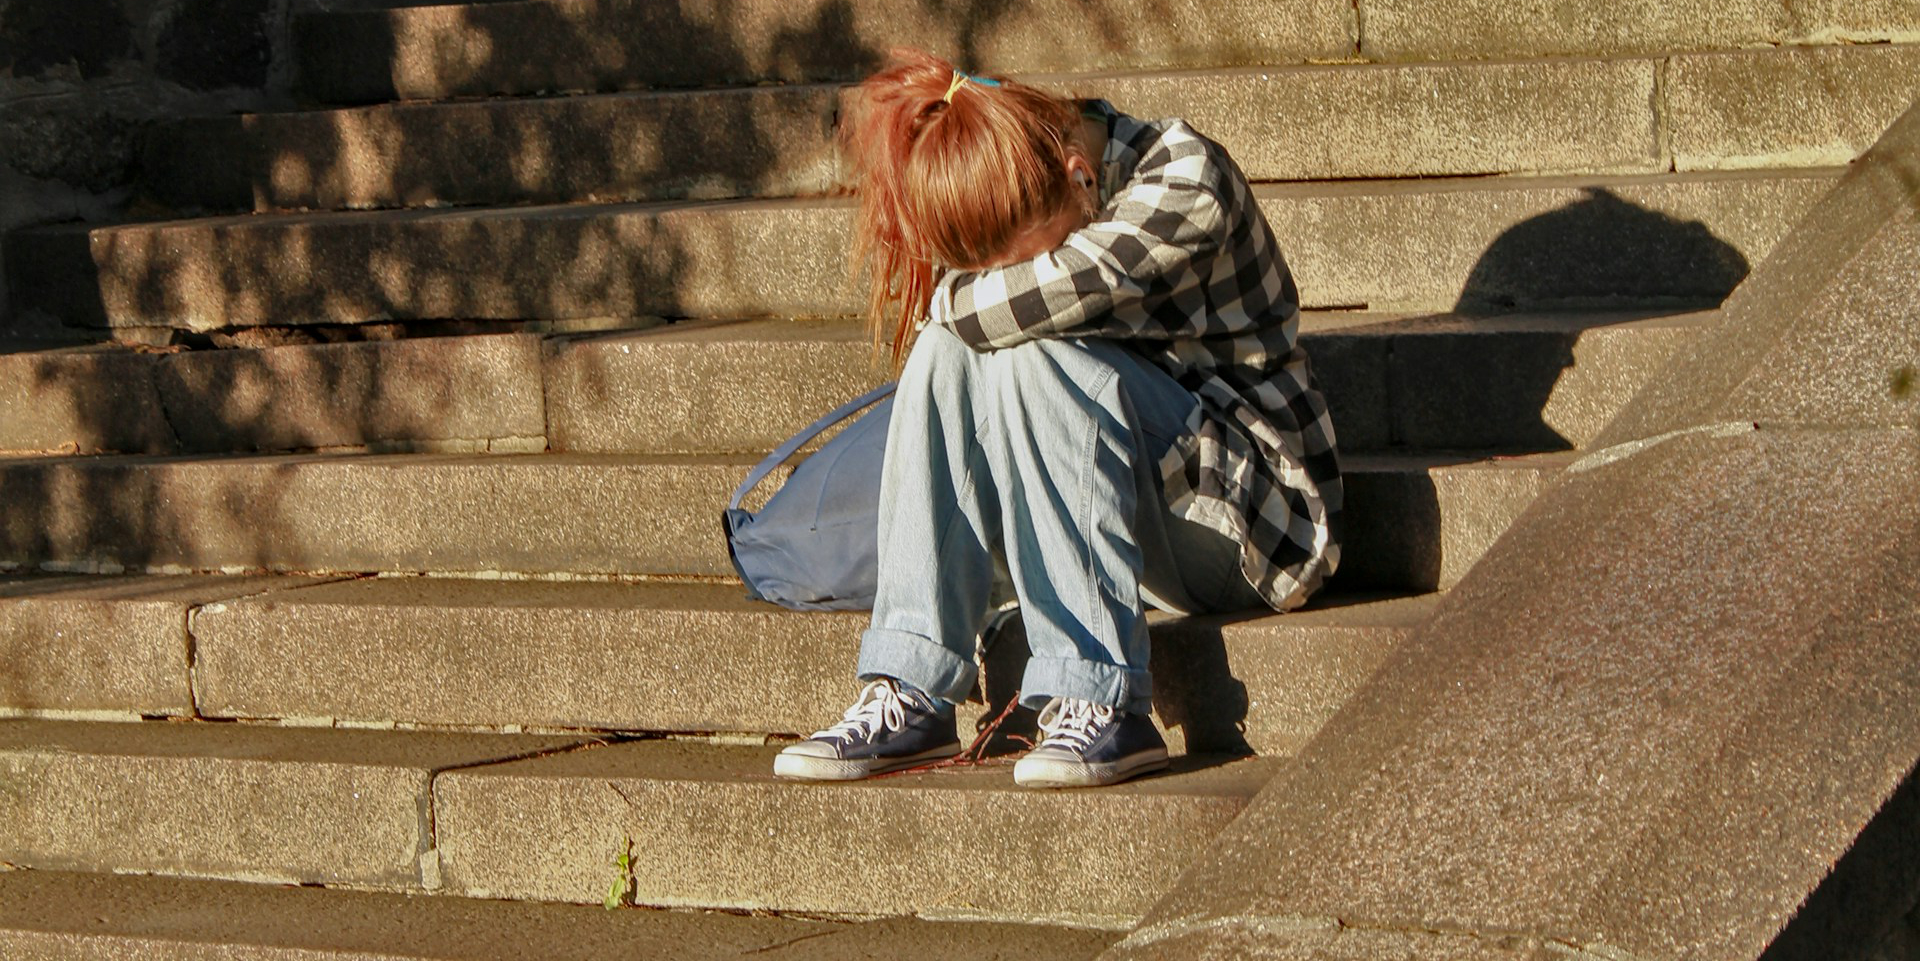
{"x": 785, "y": 451}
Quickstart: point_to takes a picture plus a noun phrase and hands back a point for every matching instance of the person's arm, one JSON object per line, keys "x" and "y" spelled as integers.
{"x": 1138, "y": 271}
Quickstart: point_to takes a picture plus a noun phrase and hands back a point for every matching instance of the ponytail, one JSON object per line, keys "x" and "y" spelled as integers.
{"x": 949, "y": 169}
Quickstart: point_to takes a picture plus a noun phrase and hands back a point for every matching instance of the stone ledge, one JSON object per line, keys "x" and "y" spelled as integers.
{"x": 225, "y": 800}
{"x": 488, "y": 49}
{"x": 1496, "y": 244}
{"x": 55, "y": 916}
{"x": 1418, "y": 521}
{"x": 714, "y": 827}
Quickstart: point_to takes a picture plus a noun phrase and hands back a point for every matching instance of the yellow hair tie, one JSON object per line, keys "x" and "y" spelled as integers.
{"x": 958, "y": 79}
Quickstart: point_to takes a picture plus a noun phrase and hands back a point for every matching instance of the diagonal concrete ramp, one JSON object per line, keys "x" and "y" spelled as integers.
{"x": 1671, "y": 713}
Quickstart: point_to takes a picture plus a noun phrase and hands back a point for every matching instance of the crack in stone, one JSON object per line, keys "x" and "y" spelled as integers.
{"x": 192, "y": 614}
{"x": 429, "y": 864}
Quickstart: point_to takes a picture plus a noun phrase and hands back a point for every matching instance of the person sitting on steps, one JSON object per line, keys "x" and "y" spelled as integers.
{"x": 1102, "y": 391}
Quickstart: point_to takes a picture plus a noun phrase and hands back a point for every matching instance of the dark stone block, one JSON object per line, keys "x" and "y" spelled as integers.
{"x": 209, "y": 44}
{"x": 87, "y": 142}
{"x": 39, "y": 35}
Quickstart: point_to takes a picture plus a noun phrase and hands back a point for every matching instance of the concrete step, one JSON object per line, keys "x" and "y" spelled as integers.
{"x": 717, "y": 829}
{"x": 1518, "y": 382}
{"x": 1415, "y": 522}
{"x": 1452, "y": 382}
{"x": 1502, "y": 243}
{"x": 455, "y": 50}
{"x": 1475, "y": 29}
{"x": 707, "y": 825}
{"x": 472, "y": 393}
{"x": 360, "y": 56}
{"x": 280, "y": 805}
{"x": 62, "y": 916}
{"x": 516, "y": 655}
{"x": 1749, "y": 108}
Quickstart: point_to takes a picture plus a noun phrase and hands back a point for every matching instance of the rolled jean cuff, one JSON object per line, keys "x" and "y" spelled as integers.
{"x": 917, "y": 660}
{"x": 1128, "y": 689}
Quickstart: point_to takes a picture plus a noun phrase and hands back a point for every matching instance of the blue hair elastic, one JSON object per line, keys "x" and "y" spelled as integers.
{"x": 960, "y": 78}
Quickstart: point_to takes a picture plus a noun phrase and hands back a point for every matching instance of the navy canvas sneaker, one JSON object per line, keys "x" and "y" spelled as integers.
{"x": 1084, "y": 744}
{"x": 889, "y": 727}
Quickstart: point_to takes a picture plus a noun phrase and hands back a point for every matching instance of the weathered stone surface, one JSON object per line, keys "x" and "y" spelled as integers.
{"x": 89, "y": 35}
{"x": 712, "y": 826}
{"x": 438, "y": 52}
{"x": 1234, "y": 683}
{"x": 1638, "y": 724}
{"x": 703, "y": 387}
{"x": 656, "y": 657}
{"x": 437, "y": 390}
{"x": 1408, "y": 245}
{"x": 1281, "y": 123}
{"x": 1671, "y": 713}
{"x": 1845, "y": 272}
{"x": 1417, "y": 522}
{"x": 80, "y": 402}
{"x": 1444, "y": 381}
{"x": 1533, "y": 243}
{"x": 1425, "y": 528}
{"x": 447, "y": 651}
{"x": 1803, "y": 107}
{"x": 1491, "y": 29}
{"x": 404, "y": 512}
{"x": 1521, "y": 383}
{"x": 208, "y": 44}
{"x": 764, "y": 141}
{"x": 72, "y": 643}
{"x": 726, "y": 259}
{"x": 57, "y": 916}
{"x": 224, "y": 800}
{"x": 1426, "y": 120}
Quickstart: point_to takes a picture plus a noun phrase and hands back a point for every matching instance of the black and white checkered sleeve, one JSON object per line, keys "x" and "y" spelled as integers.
{"x": 1153, "y": 248}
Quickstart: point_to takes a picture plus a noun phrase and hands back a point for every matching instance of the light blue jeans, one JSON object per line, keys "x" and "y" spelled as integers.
{"x": 1043, "y": 457}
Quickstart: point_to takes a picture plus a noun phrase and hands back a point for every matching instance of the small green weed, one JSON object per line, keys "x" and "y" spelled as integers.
{"x": 622, "y": 889}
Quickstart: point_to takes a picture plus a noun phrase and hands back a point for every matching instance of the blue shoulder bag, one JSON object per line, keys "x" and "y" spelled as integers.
{"x": 814, "y": 546}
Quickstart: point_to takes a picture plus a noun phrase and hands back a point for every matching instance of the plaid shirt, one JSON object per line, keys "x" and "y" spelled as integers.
{"x": 1181, "y": 265}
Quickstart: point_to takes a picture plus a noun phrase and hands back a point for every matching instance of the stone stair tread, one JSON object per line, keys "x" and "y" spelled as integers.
{"x": 175, "y": 740}
{"x": 1415, "y": 522}
{"x": 1321, "y": 121}
{"x": 464, "y": 815}
{"x": 479, "y": 49}
{"x": 1648, "y": 240}
{"x": 553, "y": 655}
{"x": 58, "y": 916}
{"x": 354, "y": 56}
{"x": 1392, "y": 380}
{"x": 722, "y": 830}
{"x": 1415, "y": 186}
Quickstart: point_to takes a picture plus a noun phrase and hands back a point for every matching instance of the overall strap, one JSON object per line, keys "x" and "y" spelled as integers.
{"x": 807, "y": 434}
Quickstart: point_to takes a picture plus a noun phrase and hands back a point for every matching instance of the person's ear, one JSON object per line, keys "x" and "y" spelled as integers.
{"x": 1079, "y": 171}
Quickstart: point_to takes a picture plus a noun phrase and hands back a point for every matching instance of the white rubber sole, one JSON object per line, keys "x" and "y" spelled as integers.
{"x": 1043, "y": 771}
{"x": 808, "y": 767}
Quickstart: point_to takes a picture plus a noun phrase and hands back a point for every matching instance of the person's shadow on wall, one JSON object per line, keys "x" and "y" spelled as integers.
{"x": 1602, "y": 252}
{"x": 1586, "y": 263}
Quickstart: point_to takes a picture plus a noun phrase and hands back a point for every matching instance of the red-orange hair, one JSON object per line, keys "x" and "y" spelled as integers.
{"x": 948, "y": 182}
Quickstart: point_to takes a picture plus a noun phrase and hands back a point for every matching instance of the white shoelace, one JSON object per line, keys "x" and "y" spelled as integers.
{"x": 1072, "y": 721}
{"x": 880, "y": 707}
